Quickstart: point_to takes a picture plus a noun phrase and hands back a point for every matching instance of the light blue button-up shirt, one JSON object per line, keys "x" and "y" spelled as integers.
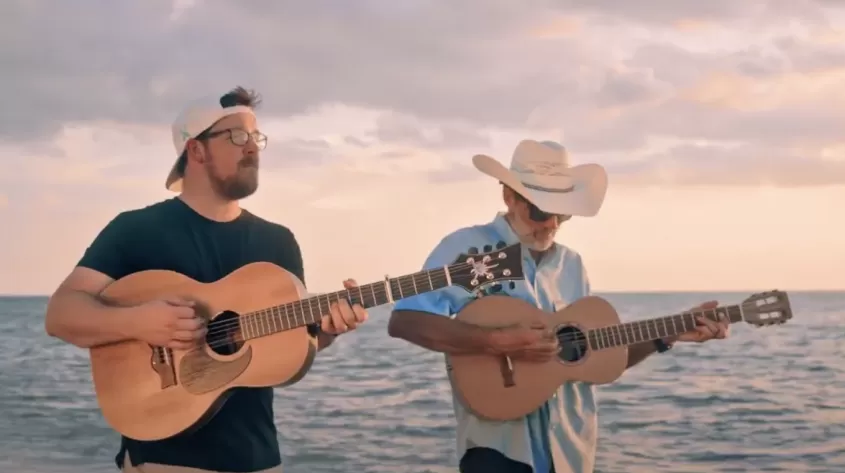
{"x": 562, "y": 431}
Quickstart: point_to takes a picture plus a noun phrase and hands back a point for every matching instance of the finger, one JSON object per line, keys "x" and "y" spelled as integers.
{"x": 184, "y": 312}
{"x": 360, "y": 313}
{"x": 348, "y": 314}
{"x": 338, "y": 322}
{"x": 349, "y": 284}
{"x": 326, "y": 324}
{"x": 179, "y": 301}
{"x": 712, "y": 326}
{"x": 194, "y": 323}
{"x": 184, "y": 335}
{"x": 707, "y": 305}
{"x": 180, "y": 345}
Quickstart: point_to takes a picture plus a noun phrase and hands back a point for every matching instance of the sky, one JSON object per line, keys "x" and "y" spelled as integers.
{"x": 721, "y": 125}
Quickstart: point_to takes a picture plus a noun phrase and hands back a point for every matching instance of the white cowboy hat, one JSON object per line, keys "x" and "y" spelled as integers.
{"x": 541, "y": 173}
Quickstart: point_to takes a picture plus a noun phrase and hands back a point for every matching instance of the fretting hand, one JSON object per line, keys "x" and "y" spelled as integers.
{"x": 343, "y": 317}
{"x": 705, "y": 329}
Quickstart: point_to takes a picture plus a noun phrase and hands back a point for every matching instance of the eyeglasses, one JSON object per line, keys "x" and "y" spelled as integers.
{"x": 537, "y": 215}
{"x": 240, "y": 137}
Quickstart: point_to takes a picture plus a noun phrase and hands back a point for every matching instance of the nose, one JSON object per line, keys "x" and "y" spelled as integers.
{"x": 551, "y": 223}
{"x": 251, "y": 147}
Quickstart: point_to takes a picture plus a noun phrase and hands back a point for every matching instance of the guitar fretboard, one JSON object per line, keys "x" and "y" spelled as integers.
{"x": 310, "y": 310}
{"x": 631, "y": 333}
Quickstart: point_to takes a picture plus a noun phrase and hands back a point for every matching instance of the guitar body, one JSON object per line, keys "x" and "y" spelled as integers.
{"x": 482, "y": 382}
{"x": 149, "y": 393}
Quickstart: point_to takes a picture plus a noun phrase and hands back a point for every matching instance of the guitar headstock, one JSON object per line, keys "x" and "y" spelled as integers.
{"x": 766, "y": 308}
{"x": 473, "y": 270}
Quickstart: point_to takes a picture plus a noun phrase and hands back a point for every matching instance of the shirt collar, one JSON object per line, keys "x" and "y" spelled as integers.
{"x": 504, "y": 230}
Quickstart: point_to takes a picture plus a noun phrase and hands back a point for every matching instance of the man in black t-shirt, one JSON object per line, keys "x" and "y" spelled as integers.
{"x": 205, "y": 235}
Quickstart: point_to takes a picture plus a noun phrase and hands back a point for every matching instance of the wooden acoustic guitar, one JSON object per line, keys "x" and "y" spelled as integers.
{"x": 593, "y": 347}
{"x": 257, "y": 336}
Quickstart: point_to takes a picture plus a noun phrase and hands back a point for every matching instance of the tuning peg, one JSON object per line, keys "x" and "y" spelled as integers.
{"x": 512, "y": 285}
{"x": 501, "y": 245}
{"x": 496, "y": 288}
{"x": 488, "y": 248}
{"x": 472, "y": 250}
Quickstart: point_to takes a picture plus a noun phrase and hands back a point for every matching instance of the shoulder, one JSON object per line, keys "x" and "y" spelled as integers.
{"x": 463, "y": 238}
{"x": 569, "y": 255}
{"x": 140, "y": 220}
{"x": 573, "y": 269}
{"x": 457, "y": 242}
{"x": 143, "y": 216}
{"x": 273, "y": 227}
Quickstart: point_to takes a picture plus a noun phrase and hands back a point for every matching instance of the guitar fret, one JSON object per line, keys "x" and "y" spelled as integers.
{"x": 265, "y": 323}
{"x": 634, "y": 332}
{"x": 309, "y": 310}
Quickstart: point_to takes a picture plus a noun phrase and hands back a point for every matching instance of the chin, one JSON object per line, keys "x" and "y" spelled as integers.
{"x": 538, "y": 245}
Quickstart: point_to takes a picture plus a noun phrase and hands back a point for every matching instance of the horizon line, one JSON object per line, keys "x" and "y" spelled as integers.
{"x": 615, "y": 291}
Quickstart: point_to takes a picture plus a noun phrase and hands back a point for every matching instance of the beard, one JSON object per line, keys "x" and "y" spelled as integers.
{"x": 239, "y": 186}
{"x": 540, "y": 240}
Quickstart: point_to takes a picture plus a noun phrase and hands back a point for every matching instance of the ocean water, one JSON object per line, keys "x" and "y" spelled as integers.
{"x": 764, "y": 400}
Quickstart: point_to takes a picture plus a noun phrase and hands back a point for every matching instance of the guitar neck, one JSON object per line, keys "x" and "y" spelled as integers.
{"x": 631, "y": 333}
{"x": 311, "y": 310}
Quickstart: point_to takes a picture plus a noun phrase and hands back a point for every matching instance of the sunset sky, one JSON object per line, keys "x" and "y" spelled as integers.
{"x": 721, "y": 124}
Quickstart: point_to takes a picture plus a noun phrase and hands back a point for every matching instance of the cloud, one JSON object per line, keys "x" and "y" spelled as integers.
{"x": 731, "y": 166}
{"x": 421, "y": 86}
{"x": 399, "y": 129}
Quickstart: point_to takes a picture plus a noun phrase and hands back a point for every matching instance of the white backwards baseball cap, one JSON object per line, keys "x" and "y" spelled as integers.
{"x": 194, "y": 119}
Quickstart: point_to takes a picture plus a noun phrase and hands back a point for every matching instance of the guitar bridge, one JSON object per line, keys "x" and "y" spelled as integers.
{"x": 161, "y": 361}
{"x": 506, "y": 366}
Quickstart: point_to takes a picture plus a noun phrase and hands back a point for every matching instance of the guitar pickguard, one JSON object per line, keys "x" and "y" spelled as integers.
{"x": 200, "y": 373}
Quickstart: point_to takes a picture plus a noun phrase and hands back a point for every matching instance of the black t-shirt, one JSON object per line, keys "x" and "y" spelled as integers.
{"x": 169, "y": 235}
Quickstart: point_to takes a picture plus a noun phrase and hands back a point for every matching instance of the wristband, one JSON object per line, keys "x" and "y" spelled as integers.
{"x": 661, "y": 346}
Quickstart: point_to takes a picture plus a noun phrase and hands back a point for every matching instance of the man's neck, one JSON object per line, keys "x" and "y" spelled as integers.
{"x": 211, "y": 206}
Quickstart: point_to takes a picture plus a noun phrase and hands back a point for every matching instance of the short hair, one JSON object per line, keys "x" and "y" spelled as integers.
{"x": 237, "y": 96}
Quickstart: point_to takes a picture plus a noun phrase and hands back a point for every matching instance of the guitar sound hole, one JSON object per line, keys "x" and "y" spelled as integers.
{"x": 224, "y": 334}
{"x": 573, "y": 344}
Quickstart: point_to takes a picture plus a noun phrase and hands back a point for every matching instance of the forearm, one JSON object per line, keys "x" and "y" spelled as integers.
{"x": 639, "y": 352}
{"x": 82, "y": 320}
{"x": 324, "y": 340}
{"x": 439, "y": 333}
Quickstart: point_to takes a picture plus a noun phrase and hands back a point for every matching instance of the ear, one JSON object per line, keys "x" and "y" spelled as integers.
{"x": 196, "y": 151}
{"x": 508, "y": 196}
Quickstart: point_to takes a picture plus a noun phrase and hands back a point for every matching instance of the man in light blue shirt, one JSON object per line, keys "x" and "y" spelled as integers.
{"x": 541, "y": 191}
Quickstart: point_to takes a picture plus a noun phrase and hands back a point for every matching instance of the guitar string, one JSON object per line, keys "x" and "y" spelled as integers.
{"x": 608, "y": 335}
{"x": 608, "y": 339}
{"x": 269, "y": 316}
{"x": 595, "y": 335}
{"x": 264, "y": 315}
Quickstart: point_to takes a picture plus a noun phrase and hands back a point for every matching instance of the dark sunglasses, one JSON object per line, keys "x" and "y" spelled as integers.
{"x": 537, "y": 215}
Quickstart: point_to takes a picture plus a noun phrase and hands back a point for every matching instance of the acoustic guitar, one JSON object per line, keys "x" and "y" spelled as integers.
{"x": 257, "y": 336}
{"x": 593, "y": 347}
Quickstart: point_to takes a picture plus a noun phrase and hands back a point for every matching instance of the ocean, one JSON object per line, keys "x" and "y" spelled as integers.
{"x": 765, "y": 400}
